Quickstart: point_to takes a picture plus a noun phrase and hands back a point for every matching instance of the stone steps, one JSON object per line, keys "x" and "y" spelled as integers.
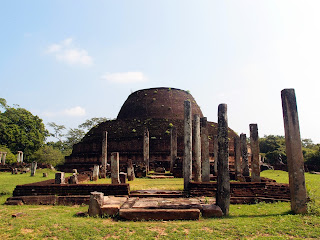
{"x": 157, "y": 193}
{"x": 159, "y": 214}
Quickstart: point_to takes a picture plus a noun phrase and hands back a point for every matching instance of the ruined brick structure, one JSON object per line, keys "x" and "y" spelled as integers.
{"x": 158, "y": 110}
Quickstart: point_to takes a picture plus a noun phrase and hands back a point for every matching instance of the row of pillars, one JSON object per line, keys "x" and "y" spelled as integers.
{"x": 4, "y": 154}
{"x": 221, "y": 145}
{"x": 221, "y": 153}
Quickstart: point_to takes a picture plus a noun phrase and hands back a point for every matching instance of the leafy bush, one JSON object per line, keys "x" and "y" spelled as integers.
{"x": 10, "y": 157}
{"x": 48, "y": 154}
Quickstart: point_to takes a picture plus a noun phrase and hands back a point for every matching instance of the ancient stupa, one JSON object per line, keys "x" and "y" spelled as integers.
{"x": 158, "y": 110}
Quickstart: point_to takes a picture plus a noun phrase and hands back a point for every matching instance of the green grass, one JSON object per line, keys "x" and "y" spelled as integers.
{"x": 257, "y": 221}
{"x": 147, "y": 183}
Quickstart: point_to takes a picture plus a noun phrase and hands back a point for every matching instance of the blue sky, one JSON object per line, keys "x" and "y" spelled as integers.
{"x": 68, "y": 61}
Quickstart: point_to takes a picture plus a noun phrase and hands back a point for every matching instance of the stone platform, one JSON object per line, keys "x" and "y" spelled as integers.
{"x": 157, "y": 208}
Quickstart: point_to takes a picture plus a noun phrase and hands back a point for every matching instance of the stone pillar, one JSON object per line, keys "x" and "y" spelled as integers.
{"x": 187, "y": 156}
{"x": 205, "y": 160}
{"x": 173, "y": 147}
{"x": 73, "y": 179}
{"x": 4, "y": 154}
{"x": 104, "y": 155}
{"x": 223, "y": 179}
{"x": 215, "y": 153}
{"x": 115, "y": 168}
{"x": 244, "y": 155}
{"x": 197, "y": 149}
{"x": 123, "y": 177}
{"x": 146, "y": 149}
{"x": 95, "y": 173}
{"x": 59, "y": 178}
{"x": 130, "y": 170}
{"x": 18, "y": 157}
{"x": 237, "y": 153}
{"x": 95, "y": 203}
{"x": 1, "y": 158}
{"x": 33, "y": 168}
{"x": 21, "y": 157}
{"x": 298, "y": 192}
{"x": 255, "y": 162}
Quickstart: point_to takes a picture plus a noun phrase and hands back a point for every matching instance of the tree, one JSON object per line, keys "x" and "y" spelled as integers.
{"x": 21, "y": 131}
{"x": 90, "y": 123}
{"x": 74, "y": 136}
{"x": 274, "y": 149}
{"x": 48, "y": 154}
{"x": 58, "y": 134}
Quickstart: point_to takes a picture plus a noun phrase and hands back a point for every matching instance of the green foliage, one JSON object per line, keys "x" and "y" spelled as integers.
{"x": 21, "y": 131}
{"x": 10, "y": 157}
{"x": 57, "y": 130}
{"x": 74, "y": 136}
{"x": 3, "y": 103}
{"x": 170, "y": 125}
{"x": 90, "y": 123}
{"x": 274, "y": 149}
{"x": 48, "y": 154}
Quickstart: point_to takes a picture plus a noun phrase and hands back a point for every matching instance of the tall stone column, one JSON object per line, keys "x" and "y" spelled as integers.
{"x": 115, "y": 168}
{"x": 237, "y": 153}
{"x": 95, "y": 173}
{"x": 33, "y": 168}
{"x": 173, "y": 147}
{"x": 255, "y": 162}
{"x": 197, "y": 149}
{"x": 1, "y": 158}
{"x": 104, "y": 155}
{"x": 244, "y": 155}
{"x": 223, "y": 179}
{"x": 146, "y": 149}
{"x": 298, "y": 193}
{"x": 130, "y": 170}
{"x": 187, "y": 156}
{"x": 4, "y": 158}
{"x": 215, "y": 153}
{"x": 205, "y": 160}
{"x": 18, "y": 157}
{"x": 21, "y": 157}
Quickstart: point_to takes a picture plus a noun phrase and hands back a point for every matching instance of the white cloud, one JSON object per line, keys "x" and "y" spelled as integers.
{"x": 125, "y": 77}
{"x": 75, "y": 112}
{"x": 68, "y": 53}
{"x": 69, "y": 112}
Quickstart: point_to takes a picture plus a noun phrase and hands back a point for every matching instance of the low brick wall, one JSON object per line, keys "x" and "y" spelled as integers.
{"x": 70, "y": 189}
{"x": 267, "y": 190}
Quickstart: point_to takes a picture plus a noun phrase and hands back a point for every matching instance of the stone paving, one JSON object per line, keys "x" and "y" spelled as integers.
{"x": 157, "y": 208}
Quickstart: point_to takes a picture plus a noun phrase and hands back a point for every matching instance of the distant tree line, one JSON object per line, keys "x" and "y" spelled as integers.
{"x": 273, "y": 148}
{"x": 20, "y": 130}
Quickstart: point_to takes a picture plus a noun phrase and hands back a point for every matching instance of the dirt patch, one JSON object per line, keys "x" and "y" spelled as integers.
{"x": 160, "y": 231}
{"x": 26, "y": 230}
{"x": 207, "y": 229}
{"x": 111, "y": 236}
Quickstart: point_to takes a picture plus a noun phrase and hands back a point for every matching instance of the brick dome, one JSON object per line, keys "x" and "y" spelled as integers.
{"x": 165, "y": 103}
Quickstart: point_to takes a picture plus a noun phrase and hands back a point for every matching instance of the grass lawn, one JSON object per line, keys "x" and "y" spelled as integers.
{"x": 258, "y": 221}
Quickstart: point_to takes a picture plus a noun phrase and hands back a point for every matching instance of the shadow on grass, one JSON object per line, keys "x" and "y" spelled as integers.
{"x": 260, "y": 215}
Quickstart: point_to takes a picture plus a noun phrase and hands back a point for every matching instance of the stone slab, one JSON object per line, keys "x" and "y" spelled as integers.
{"x": 159, "y": 214}
{"x": 211, "y": 210}
{"x": 110, "y": 210}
